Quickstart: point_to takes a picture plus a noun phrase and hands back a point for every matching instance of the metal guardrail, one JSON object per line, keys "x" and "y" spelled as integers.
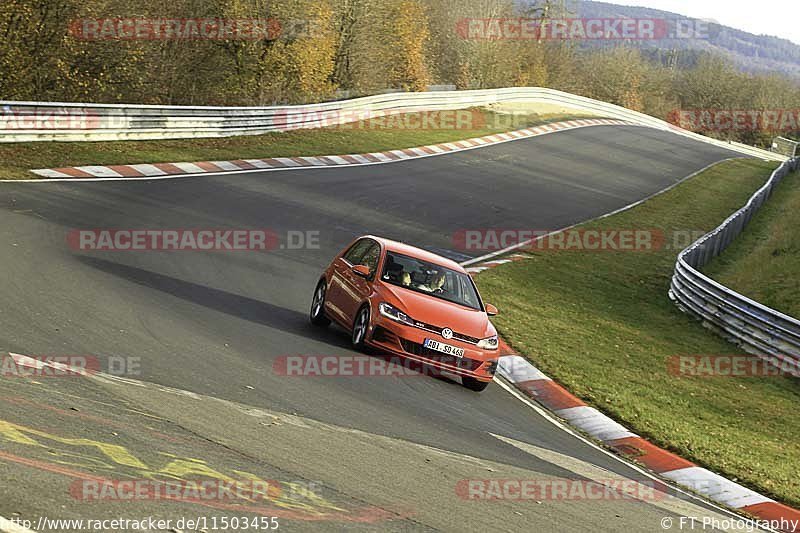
{"x": 755, "y": 327}
{"x": 785, "y": 146}
{"x": 54, "y": 121}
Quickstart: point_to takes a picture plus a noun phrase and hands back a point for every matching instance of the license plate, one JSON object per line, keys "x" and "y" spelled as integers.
{"x": 444, "y": 348}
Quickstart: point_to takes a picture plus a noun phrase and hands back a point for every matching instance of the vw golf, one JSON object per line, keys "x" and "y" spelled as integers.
{"x": 412, "y": 303}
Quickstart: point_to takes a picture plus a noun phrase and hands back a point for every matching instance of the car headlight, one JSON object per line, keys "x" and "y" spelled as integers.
{"x": 395, "y": 314}
{"x": 489, "y": 344}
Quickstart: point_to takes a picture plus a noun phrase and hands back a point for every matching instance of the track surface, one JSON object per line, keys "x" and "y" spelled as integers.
{"x": 214, "y": 323}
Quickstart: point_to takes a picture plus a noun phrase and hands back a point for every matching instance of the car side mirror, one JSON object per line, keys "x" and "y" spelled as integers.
{"x": 362, "y": 271}
{"x": 491, "y": 310}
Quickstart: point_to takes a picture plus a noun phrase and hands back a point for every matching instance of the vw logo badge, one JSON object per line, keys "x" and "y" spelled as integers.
{"x": 447, "y": 333}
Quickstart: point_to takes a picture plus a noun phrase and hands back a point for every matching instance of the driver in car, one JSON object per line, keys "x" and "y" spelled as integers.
{"x": 436, "y": 284}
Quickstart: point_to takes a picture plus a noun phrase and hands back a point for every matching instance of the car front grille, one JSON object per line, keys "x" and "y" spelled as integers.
{"x": 418, "y": 349}
{"x": 436, "y": 329}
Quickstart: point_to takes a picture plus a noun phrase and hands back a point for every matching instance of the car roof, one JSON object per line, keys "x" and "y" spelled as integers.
{"x": 419, "y": 253}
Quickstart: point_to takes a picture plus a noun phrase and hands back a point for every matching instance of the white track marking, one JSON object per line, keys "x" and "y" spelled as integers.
{"x": 716, "y": 487}
{"x": 566, "y": 429}
{"x": 315, "y": 161}
{"x": 50, "y": 173}
{"x": 226, "y": 165}
{"x": 517, "y": 369}
{"x": 338, "y": 160}
{"x": 100, "y": 171}
{"x": 602, "y": 476}
{"x": 380, "y": 156}
{"x": 257, "y": 163}
{"x": 148, "y": 170}
{"x": 591, "y": 421}
{"x": 287, "y": 161}
{"x": 190, "y": 168}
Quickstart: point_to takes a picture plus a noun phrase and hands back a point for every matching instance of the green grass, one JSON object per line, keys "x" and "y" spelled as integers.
{"x": 17, "y": 159}
{"x": 601, "y": 324}
{"x": 764, "y": 262}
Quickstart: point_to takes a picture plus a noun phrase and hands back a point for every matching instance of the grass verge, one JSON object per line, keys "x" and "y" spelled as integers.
{"x": 601, "y": 324}
{"x": 17, "y": 159}
{"x": 764, "y": 262}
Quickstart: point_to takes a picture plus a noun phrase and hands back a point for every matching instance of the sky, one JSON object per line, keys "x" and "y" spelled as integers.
{"x": 771, "y": 17}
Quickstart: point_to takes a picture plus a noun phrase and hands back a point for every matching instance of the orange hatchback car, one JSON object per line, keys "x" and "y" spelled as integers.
{"x": 411, "y": 303}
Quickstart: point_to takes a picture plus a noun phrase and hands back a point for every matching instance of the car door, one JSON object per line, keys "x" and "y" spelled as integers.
{"x": 336, "y": 298}
{"x": 355, "y": 289}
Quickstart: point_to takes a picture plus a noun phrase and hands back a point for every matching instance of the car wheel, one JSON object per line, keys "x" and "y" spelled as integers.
{"x": 317, "y": 315}
{"x": 474, "y": 384}
{"x": 360, "y": 328}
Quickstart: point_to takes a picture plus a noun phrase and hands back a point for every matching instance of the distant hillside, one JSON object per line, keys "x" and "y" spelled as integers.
{"x": 752, "y": 53}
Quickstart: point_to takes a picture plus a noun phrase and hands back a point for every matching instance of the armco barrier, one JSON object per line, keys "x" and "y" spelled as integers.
{"x": 45, "y": 121}
{"x": 753, "y": 326}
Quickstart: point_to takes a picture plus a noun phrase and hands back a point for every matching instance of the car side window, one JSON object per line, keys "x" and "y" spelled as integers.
{"x": 468, "y": 294}
{"x": 371, "y": 257}
{"x": 356, "y": 252}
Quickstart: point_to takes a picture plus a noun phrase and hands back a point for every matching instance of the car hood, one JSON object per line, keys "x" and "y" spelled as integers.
{"x": 441, "y": 313}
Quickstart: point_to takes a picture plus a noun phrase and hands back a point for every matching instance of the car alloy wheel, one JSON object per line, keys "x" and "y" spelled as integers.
{"x": 360, "y": 328}
{"x": 318, "y": 317}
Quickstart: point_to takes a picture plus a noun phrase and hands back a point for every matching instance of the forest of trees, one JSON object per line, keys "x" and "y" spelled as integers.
{"x": 749, "y": 52}
{"x": 328, "y": 48}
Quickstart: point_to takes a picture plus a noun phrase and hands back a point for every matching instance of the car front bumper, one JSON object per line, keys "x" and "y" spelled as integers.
{"x": 407, "y": 341}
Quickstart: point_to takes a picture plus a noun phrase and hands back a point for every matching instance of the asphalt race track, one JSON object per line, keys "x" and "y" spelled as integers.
{"x": 214, "y": 323}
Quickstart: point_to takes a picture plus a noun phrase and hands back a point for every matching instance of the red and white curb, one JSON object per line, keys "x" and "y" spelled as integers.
{"x": 534, "y": 384}
{"x": 164, "y": 170}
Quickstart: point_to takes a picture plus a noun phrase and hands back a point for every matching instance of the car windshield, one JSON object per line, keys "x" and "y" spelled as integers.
{"x": 429, "y": 278}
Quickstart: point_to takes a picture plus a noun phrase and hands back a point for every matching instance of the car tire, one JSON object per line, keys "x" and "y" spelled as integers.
{"x": 317, "y": 315}
{"x": 360, "y": 329}
{"x": 474, "y": 384}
